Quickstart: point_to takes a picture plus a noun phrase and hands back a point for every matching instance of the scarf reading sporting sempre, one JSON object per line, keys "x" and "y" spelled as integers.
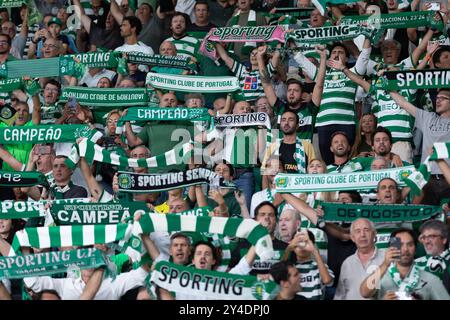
{"x": 93, "y": 152}
{"x": 147, "y": 182}
{"x": 67, "y": 236}
{"x": 115, "y": 97}
{"x": 192, "y": 83}
{"x": 248, "y": 229}
{"x": 211, "y": 284}
{"x": 417, "y": 180}
{"x": 48, "y": 263}
{"x": 21, "y": 178}
{"x": 414, "y": 79}
{"x": 165, "y": 114}
{"x": 242, "y": 120}
{"x": 95, "y": 213}
{"x": 290, "y": 183}
{"x": 44, "y": 133}
{"x": 337, "y": 212}
{"x": 409, "y": 283}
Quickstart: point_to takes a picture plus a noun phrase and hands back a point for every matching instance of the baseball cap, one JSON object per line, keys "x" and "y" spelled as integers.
{"x": 54, "y": 20}
{"x": 294, "y": 78}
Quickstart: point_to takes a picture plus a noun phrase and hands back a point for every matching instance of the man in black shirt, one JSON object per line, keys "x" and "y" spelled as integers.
{"x": 265, "y": 214}
{"x": 202, "y": 23}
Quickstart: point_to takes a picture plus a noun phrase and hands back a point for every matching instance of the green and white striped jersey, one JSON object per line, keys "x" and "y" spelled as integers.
{"x": 338, "y": 100}
{"x": 391, "y": 116}
{"x": 312, "y": 286}
{"x": 187, "y": 46}
{"x": 249, "y": 81}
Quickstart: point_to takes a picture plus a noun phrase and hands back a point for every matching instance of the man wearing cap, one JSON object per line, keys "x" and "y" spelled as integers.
{"x": 306, "y": 113}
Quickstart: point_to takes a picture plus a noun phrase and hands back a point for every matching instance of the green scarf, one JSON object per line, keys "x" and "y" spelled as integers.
{"x": 3, "y": 70}
{"x": 179, "y": 62}
{"x": 211, "y": 284}
{"x": 48, "y": 263}
{"x": 165, "y": 114}
{"x": 417, "y": 180}
{"x": 144, "y": 183}
{"x": 248, "y": 229}
{"x": 328, "y": 34}
{"x": 401, "y": 20}
{"x": 294, "y": 12}
{"x": 292, "y": 183}
{"x": 322, "y": 4}
{"x": 8, "y": 114}
{"x": 116, "y": 97}
{"x": 11, "y": 84}
{"x": 64, "y": 236}
{"x": 199, "y": 212}
{"x": 95, "y": 213}
{"x": 36, "y": 68}
{"x": 21, "y": 179}
{"x": 93, "y": 152}
{"x": 192, "y": 83}
{"x": 414, "y": 79}
{"x": 21, "y": 209}
{"x": 378, "y": 213}
{"x": 34, "y": 15}
{"x": 44, "y": 133}
{"x": 409, "y": 283}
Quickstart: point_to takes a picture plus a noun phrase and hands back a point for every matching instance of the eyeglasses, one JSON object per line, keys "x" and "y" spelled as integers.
{"x": 3, "y": 42}
{"x": 442, "y": 98}
{"x": 50, "y": 46}
{"x": 429, "y": 237}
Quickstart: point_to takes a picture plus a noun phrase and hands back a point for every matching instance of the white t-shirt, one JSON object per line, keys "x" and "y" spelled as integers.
{"x": 137, "y": 47}
{"x": 91, "y": 81}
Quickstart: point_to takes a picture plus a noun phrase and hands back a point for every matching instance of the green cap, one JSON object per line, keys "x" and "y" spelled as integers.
{"x": 54, "y": 20}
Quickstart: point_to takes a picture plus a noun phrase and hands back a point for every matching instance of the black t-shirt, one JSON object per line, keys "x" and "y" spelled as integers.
{"x": 259, "y": 267}
{"x": 446, "y": 279}
{"x": 195, "y": 28}
{"x": 287, "y": 152}
{"x": 338, "y": 251}
{"x": 109, "y": 39}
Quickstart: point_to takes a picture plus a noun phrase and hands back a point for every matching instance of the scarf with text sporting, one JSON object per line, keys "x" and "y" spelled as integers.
{"x": 212, "y": 285}
{"x": 251, "y": 22}
{"x": 48, "y": 263}
{"x": 337, "y": 212}
{"x": 179, "y": 62}
{"x": 165, "y": 114}
{"x": 414, "y": 79}
{"x": 93, "y": 152}
{"x": 248, "y": 229}
{"x": 11, "y": 84}
{"x": 22, "y": 179}
{"x": 147, "y": 182}
{"x": 328, "y": 34}
{"x": 399, "y": 20}
{"x": 417, "y": 180}
{"x": 44, "y": 133}
{"x": 115, "y": 97}
{"x": 242, "y": 120}
{"x": 66, "y": 236}
{"x": 11, "y": 3}
{"x": 407, "y": 284}
{"x": 96, "y": 213}
{"x": 192, "y": 83}
{"x": 10, "y": 209}
{"x": 289, "y": 183}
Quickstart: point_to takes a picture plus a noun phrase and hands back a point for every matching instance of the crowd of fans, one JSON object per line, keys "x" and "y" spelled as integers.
{"x": 323, "y": 100}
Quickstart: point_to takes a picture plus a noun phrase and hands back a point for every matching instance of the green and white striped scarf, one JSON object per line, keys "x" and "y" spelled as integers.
{"x": 248, "y": 229}
{"x": 409, "y": 283}
{"x": 299, "y": 155}
{"x": 211, "y": 284}
{"x": 63, "y": 236}
{"x": 417, "y": 180}
{"x": 434, "y": 264}
{"x": 94, "y": 152}
{"x": 251, "y": 22}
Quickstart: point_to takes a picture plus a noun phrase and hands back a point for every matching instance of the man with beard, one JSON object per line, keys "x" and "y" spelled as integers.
{"x": 434, "y": 237}
{"x": 186, "y": 45}
{"x": 306, "y": 112}
{"x": 399, "y": 277}
{"x": 355, "y": 267}
{"x": 130, "y": 28}
{"x": 108, "y": 37}
{"x": 294, "y": 152}
{"x": 340, "y": 148}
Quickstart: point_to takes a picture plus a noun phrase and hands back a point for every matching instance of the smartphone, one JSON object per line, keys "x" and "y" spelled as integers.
{"x": 434, "y": 6}
{"x": 395, "y": 242}
{"x": 72, "y": 104}
{"x": 44, "y": 150}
